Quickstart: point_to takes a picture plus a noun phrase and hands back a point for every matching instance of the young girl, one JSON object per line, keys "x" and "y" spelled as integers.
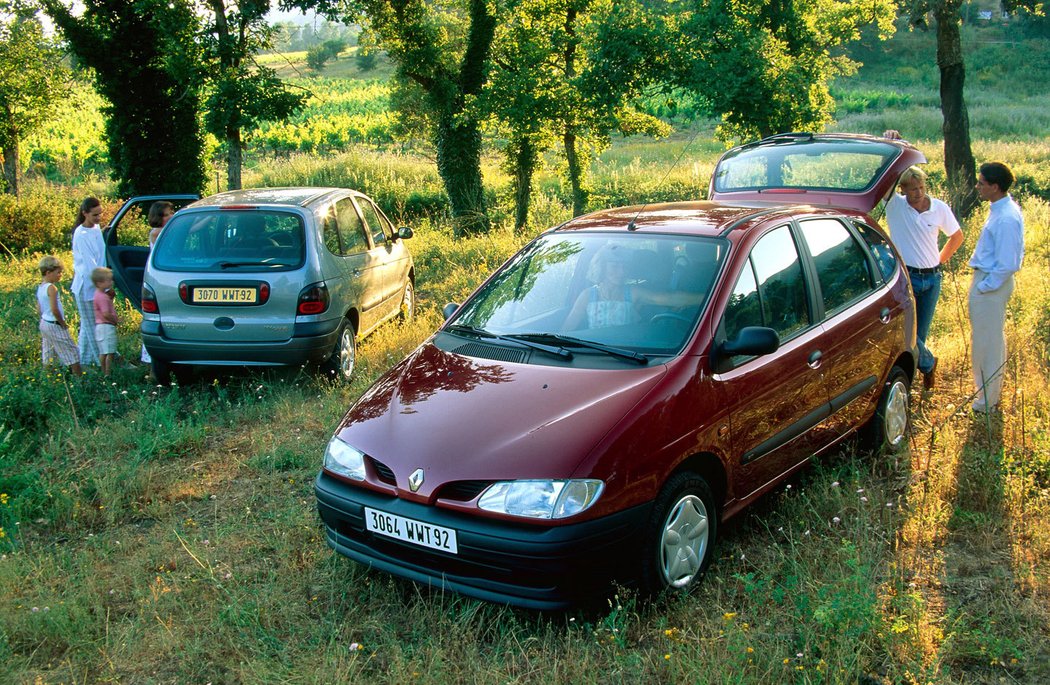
{"x": 54, "y": 331}
{"x": 89, "y": 253}
{"x": 105, "y": 317}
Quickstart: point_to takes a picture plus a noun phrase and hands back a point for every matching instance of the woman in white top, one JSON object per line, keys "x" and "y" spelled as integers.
{"x": 89, "y": 252}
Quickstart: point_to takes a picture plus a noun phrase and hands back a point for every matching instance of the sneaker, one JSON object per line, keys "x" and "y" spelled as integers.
{"x": 929, "y": 378}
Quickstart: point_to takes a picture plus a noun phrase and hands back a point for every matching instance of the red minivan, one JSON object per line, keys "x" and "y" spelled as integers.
{"x": 632, "y": 378}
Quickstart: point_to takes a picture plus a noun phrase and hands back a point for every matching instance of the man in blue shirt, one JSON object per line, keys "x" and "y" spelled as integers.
{"x": 996, "y": 258}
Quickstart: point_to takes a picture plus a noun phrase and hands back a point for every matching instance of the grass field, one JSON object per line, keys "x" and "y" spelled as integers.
{"x": 168, "y": 535}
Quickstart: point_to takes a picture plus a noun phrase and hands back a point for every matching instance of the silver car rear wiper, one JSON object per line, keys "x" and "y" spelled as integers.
{"x": 482, "y": 333}
{"x": 232, "y": 265}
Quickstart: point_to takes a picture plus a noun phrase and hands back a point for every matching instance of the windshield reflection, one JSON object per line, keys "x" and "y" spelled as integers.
{"x": 642, "y": 293}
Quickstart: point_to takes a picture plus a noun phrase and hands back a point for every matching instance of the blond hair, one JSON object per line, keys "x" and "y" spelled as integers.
{"x": 912, "y": 172}
{"x": 49, "y": 263}
{"x": 99, "y": 274}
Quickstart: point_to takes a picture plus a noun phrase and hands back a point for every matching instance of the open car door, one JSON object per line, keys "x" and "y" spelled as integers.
{"x": 128, "y": 249}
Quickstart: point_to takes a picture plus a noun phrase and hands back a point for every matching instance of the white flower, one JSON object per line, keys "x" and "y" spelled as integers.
{"x": 835, "y": 484}
{"x": 836, "y": 520}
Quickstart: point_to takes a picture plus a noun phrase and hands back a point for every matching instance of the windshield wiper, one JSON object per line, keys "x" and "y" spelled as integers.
{"x": 620, "y": 352}
{"x": 514, "y": 340}
{"x": 232, "y": 265}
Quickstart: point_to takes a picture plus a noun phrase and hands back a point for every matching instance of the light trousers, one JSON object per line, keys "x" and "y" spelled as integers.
{"x": 988, "y": 340}
{"x": 86, "y": 337}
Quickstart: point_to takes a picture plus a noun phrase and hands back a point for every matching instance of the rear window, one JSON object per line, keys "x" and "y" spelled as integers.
{"x": 843, "y": 165}
{"x": 231, "y": 240}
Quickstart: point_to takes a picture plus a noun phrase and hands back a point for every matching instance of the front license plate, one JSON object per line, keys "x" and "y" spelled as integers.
{"x": 225, "y": 295}
{"x": 411, "y": 531}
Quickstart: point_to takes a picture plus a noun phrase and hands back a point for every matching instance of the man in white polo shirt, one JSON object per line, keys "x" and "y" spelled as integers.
{"x": 996, "y": 258}
{"x": 915, "y": 221}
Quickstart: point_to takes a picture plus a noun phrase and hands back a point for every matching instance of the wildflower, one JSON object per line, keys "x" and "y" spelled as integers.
{"x": 788, "y": 486}
{"x": 835, "y": 484}
{"x": 228, "y": 575}
{"x": 860, "y": 490}
{"x": 355, "y": 647}
{"x": 836, "y": 520}
{"x": 3, "y": 498}
{"x": 889, "y": 505}
{"x": 729, "y": 616}
{"x": 863, "y": 499}
{"x": 35, "y": 609}
{"x": 806, "y": 533}
{"x": 750, "y": 650}
{"x": 786, "y": 661}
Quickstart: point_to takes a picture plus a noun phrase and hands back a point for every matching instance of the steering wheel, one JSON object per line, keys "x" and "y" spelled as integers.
{"x": 671, "y": 316}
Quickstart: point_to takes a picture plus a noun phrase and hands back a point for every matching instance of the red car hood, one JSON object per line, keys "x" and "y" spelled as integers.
{"x": 465, "y": 418}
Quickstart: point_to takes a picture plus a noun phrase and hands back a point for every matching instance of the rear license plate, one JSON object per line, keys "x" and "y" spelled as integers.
{"x": 411, "y": 531}
{"x": 225, "y": 295}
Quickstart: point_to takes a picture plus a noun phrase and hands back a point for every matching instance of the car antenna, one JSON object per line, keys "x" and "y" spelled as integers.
{"x": 631, "y": 226}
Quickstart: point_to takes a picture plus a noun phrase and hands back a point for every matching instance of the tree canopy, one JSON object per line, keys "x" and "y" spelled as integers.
{"x": 32, "y": 81}
{"x": 141, "y": 54}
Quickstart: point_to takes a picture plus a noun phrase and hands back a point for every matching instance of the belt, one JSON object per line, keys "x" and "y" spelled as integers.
{"x": 929, "y": 270}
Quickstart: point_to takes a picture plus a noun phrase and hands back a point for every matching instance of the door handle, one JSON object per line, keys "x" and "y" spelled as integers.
{"x": 814, "y": 359}
{"x": 884, "y": 315}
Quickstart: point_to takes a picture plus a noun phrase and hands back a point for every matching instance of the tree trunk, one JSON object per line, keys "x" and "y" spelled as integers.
{"x": 233, "y": 159}
{"x": 579, "y": 192}
{"x": 576, "y": 181}
{"x": 959, "y": 164}
{"x": 11, "y": 165}
{"x": 458, "y": 145}
{"x": 458, "y": 139}
{"x": 525, "y": 156}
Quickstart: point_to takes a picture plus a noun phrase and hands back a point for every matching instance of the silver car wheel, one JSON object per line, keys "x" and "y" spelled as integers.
{"x": 685, "y": 540}
{"x": 408, "y": 302}
{"x": 347, "y": 353}
{"x": 895, "y": 415}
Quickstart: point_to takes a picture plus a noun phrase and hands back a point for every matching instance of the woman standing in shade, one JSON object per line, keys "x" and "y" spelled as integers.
{"x": 89, "y": 253}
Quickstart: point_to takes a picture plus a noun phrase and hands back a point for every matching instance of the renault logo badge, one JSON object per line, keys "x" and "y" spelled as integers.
{"x": 415, "y": 480}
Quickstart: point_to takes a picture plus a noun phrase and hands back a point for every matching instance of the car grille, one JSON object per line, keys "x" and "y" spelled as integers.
{"x": 463, "y": 490}
{"x": 383, "y": 471}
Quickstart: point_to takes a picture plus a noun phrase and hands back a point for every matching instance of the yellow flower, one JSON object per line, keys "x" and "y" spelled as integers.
{"x": 3, "y": 498}
{"x": 667, "y": 657}
{"x": 750, "y": 650}
{"x": 729, "y": 616}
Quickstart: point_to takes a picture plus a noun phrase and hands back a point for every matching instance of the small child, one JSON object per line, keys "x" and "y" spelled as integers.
{"x": 55, "y": 340}
{"x": 105, "y": 317}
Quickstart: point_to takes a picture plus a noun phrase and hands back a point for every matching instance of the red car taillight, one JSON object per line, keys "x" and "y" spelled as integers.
{"x": 313, "y": 299}
{"x": 149, "y": 300}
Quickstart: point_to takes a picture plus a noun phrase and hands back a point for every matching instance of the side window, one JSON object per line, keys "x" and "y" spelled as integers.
{"x": 842, "y": 265}
{"x": 331, "y": 232}
{"x": 375, "y": 223}
{"x": 744, "y": 308}
{"x": 880, "y": 249}
{"x": 781, "y": 284}
{"x": 351, "y": 229}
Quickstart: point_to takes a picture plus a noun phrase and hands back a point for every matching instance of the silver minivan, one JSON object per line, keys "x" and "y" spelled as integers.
{"x": 273, "y": 277}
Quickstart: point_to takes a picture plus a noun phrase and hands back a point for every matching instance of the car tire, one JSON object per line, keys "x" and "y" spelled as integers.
{"x": 159, "y": 371}
{"x": 408, "y": 302}
{"x": 340, "y": 364}
{"x": 888, "y": 428}
{"x": 680, "y": 535}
